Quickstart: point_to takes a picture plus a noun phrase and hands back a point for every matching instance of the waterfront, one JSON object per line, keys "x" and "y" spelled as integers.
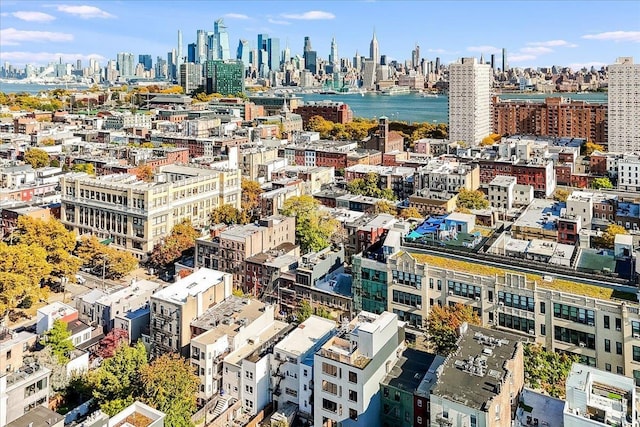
{"x": 411, "y": 107}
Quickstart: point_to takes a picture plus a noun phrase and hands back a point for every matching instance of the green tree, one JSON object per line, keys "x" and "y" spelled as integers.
{"x": 55, "y": 239}
{"x": 385, "y": 207}
{"x": 304, "y": 311}
{"x": 182, "y": 237}
{"x": 472, "y": 199}
{"x": 602, "y": 183}
{"x": 547, "y": 370}
{"x": 118, "y": 263}
{"x": 170, "y": 385}
{"x": 84, "y": 167}
{"x": 45, "y": 357}
{"x": 228, "y": 214}
{"x": 444, "y": 323}
{"x": 314, "y": 228}
{"x": 58, "y": 339}
{"x": 368, "y": 186}
{"x": 608, "y": 238}
{"x": 37, "y": 158}
{"x": 116, "y": 383}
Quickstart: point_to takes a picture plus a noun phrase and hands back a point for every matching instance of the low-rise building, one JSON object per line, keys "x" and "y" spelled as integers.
{"x": 348, "y": 368}
{"x": 597, "y": 398}
{"x": 480, "y": 382}
{"x": 13, "y": 346}
{"x": 23, "y": 390}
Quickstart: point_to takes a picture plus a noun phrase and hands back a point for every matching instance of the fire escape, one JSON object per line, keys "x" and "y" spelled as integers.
{"x": 162, "y": 334}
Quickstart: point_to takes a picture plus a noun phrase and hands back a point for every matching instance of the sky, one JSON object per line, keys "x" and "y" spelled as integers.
{"x": 534, "y": 33}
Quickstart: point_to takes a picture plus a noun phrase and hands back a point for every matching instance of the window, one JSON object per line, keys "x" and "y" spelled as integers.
{"x": 574, "y": 337}
{"x": 473, "y": 422}
{"x": 329, "y": 387}
{"x": 353, "y": 395}
{"x": 248, "y": 403}
{"x": 463, "y": 290}
{"x": 515, "y": 322}
{"x": 618, "y": 324}
{"x": 620, "y": 370}
{"x": 329, "y": 369}
{"x": 516, "y": 301}
{"x": 607, "y": 367}
{"x": 304, "y": 372}
{"x": 291, "y": 392}
{"x": 353, "y": 414}
{"x": 543, "y": 308}
{"x": 385, "y": 392}
{"x": 329, "y": 405}
{"x": 419, "y": 403}
{"x": 397, "y": 396}
{"x": 607, "y": 345}
{"x": 445, "y": 414}
{"x": 249, "y": 375}
{"x": 248, "y": 389}
{"x": 543, "y": 329}
{"x": 618, "y": 347}
{"x": 353, "y": 377}
{"x": 575, "y": 314}
{"x": 606, "y": 322}
{"x": 419, "y": 420}
{"x": 636, "y": 353}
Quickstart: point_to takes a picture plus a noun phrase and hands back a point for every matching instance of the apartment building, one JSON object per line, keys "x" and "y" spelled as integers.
{"x": 597, "y": 398}
{"x": 228, "y": 251}
{"x": 13, "y": 346}
{"x": 137, "y": 215}
{"x": 117, "y": 121}
{"x": 176, "y": 306}
{"x": 396, "y": 178}
{"x": 555, "y": 117}
{"x": 292, "y": 363}
{"x": 601, "y": 329}
{"x": 480, "y": 382}
{"x": 221, "y": 330}
{"x": 624, "y": 106}
{"x": 501, "y": 189}
{"x": 448, "y": 176}
{"x": 539, "y": 173}
{"x": 348, "y": 368}
{"x": 628, "y": 179}
{"x": 23, "y": 390}
{"x": 337, "y": 112}
{"x": 251, "y": 158}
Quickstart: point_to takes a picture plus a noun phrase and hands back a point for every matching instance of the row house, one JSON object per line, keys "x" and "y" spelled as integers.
{"x": 540, "y": 174}
{"x": 397, "y": 178}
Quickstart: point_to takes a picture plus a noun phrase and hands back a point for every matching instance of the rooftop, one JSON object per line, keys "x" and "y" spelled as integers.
{"x": 196, "y": 283}
{"x": 139, "y": 288}
{"x": 306, "y": 335}
{"x": 541, "y": 213}
{"x": 274, "y": 330}
{"x": 409, "y": 370}
{"x": 474, "y": 374}
{"x": 536, "y": 406}
{"x": 37, "y": 417}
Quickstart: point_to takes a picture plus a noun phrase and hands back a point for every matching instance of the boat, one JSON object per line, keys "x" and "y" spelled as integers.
{"x": 429, "y": 95}
{"x": 395, "y": 90}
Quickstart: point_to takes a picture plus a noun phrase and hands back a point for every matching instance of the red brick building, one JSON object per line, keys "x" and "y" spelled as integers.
{"x": 336, "y": 112}
{"x": 556, "y": 117}
{"x": 541, "y": 176}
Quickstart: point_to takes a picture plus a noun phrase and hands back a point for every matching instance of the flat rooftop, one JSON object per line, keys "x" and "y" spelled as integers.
{"x": 541, "y": 213}
{"x": 38, "y": 416}
{"x": 226, "y": 317}
{"x": 248, "y": 349}
{"x": 194, "y": 284}
{"x": 546, "y": 409}
{"x": 409, "y": 370}
{"x": 306, "y": 335}
{"x": 139, "y": 288}
{"x": 471, "y": 375}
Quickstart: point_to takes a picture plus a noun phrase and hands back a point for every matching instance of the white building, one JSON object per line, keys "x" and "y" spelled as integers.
{"x": 624, "y": 106}
{"x": 292, "y": 363}
{"x": 469, "y": 101}
{"x": 598, "y": 398}
{"x": 52, "y": 312}
{"x": 627, "y": 171}
{"x": 501, "y": 191}
{"x": 580, "y": 203}
{"x": 348, "y": 368}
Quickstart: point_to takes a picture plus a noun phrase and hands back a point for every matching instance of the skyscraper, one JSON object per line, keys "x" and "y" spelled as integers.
{"x": 415, "y": 57}
{"x": 286, "y": 54}
{"x": 263, "y": 57}
{"x": 505, "y": 66}
{"x": 201, "y": 46}
{"x": 179, "y": 58}
{"x": 190, "y": 76}
{"x": 273, "y": 47}
{"x": 225, "y": 77}
{"x": 469, "y": 101}
{"x": 624, "y": 106}
{"x": 125, "y": 64}
{"x": 191, "y": 52}
{"x": 146, "y": 61}
{"x": 493, "y": 61}
{"x": 333, "y": 56}
{"x": 374, "y": 50}
{"x": 243, "y": 52}
{"x": 310, "y": 57}
{"x": 222, "y": 37}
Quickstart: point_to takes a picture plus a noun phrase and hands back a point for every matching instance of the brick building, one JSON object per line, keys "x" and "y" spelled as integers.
{"x": 337, "y": 112}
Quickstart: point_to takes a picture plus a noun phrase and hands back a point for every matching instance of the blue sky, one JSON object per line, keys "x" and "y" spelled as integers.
{"x": 535, "y": 33}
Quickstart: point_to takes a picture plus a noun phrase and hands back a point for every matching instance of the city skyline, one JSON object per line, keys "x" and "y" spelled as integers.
{"x": 40, "y": 32}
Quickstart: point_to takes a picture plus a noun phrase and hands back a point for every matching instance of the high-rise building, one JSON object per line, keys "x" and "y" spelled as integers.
{"x": 369, "y": 74}
{"x": 493, "y": 61}
{"x": 190, "y": 76}
{"x": 469, "y": 101}
{"x": 505, "y": 66}
{"x": 220, "y": 30}
{"x": 286, "y": 54}
{"x": 334, "y": 59}
{"x": 191, "y": 52}
{"x": 624, "y": 106}
{"x": 201, "y": 46}
{"x": 374, "y": 50}
{"x": 225, "y": 77}
{"x": 263, "y": 60}
{"x": 243, "y": 53}
{"x": 212, "y": 47}
{"x": 171, "y": 65}
{"x": 273, "y": 49}
{"x": 179, "y": 58}
{"x": 307, "y": 44}
{"x": 125, "y": 64}
{"x": 415, "y": 57}
{"x": 146, "y": 61}
{"x": 357, "y": 61}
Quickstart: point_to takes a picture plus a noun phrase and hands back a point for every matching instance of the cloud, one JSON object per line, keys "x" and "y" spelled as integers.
{"x": 616, "y": 36}
{"x": 521, "y": 58}
{"x": 13, "y": 37}
{"x": 278, "y": 22}
{"x": 3, "y": 14}
{"x": 310, "y": 15}
{"x": 235, "y": 16}
{"x": 484, "y": 49}
{"x": 84, "y": 11}
{"x": 553, "y": 43}
{"x": 587, "y": 65}
{"x": 21, "y": 58}
{"x": 537, "y": 50}
{"x": 33, "y": 16}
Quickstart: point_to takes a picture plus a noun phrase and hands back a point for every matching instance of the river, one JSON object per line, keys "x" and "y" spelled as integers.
{"x": 411, "y": 107}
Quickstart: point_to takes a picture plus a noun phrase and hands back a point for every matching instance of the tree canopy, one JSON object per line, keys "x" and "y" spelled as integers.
{"x": 22, "y": 268}
{"x": 410, "y": 212}
{"x": 37, "y": 158}
{"x": 145, "y": 173}
{"x": 182, "y": 237}
{"x": 443, "y": 325}
{"x": 386, "y": 207}
{"x": 251, "y": 191}
{"x": 602, "y": 183}
{"x": 368, "y": 186}
{"x": 547, "y": 370}
{"x": 169, "y": 384}
{"x": 314, "y": 228}
{"x": 228, "y": 214}
{"x": 589, "y": 147}
{"x": 561, "y": 195}
{"x": 472, "y": 199}
{"x": 608, "y": 238}
{"x": 84, "y": 167}
{"x": 58, "y": 339}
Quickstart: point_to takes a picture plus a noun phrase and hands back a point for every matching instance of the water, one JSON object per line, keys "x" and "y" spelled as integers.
{"x": 407, "y": 107}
